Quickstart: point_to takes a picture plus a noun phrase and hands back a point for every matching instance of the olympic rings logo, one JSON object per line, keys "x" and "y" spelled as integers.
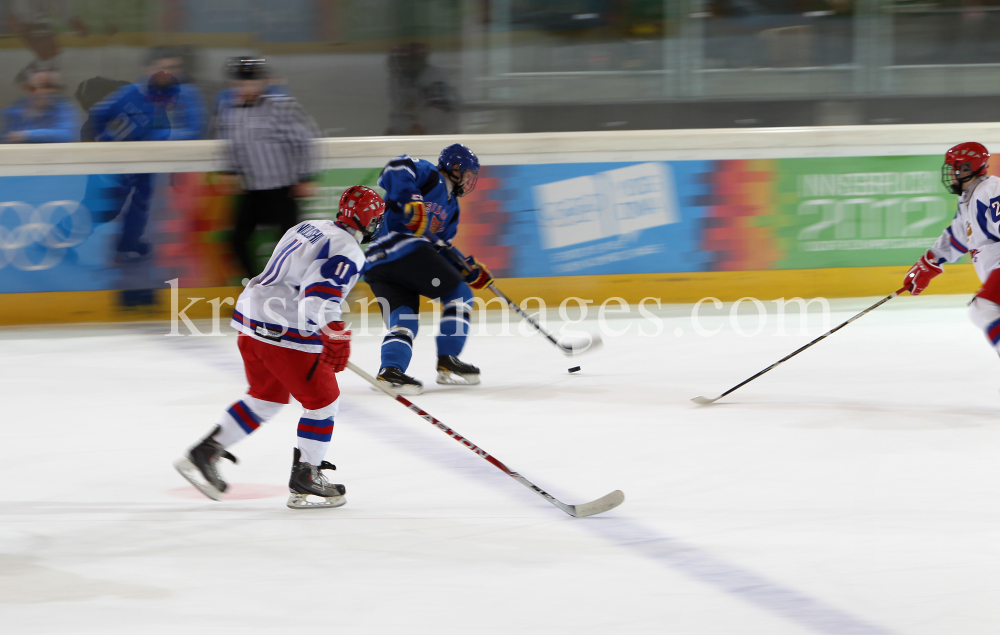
{"x": 41, "y": 235}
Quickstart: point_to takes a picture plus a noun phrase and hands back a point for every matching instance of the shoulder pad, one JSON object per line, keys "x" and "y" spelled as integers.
{"x": 987, "y": 189}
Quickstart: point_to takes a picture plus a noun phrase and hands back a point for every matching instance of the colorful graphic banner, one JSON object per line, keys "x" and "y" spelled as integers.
{"x": 133, "y": 232}
{"x": 856, "y": 212}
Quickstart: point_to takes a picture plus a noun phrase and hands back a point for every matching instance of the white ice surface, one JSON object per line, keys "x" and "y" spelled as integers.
{"x": 854, "y": 490}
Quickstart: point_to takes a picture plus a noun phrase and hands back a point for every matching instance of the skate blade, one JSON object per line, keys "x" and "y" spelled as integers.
{"x": 448, "y": 378}
{"x": 193, "y": 475}
{"x": 302, "y": 501}
{"x": 400, "y": 389}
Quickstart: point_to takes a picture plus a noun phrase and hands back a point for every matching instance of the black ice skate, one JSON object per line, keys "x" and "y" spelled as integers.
{"x": 198, "y": 466}
{"x": 454, "y": 372}
{"x": 308, "y": 480}
{"x": 392, "y": 377}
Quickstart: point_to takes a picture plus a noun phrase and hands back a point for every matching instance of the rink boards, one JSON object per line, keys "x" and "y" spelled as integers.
{"x": 673, "y": 215}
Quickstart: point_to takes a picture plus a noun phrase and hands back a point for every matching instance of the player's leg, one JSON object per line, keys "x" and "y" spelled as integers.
{"x": 456, "y": 308}
{"x": 441, "y": 280}
{"x": 264, "y": 399}
{"x": 397, "y": 350}
{"x": 320, "y": 399}
{"x": 132, "y": 245}
{"x": 984, "y": 311}
{"x": 425, "y": 272}
{"x": 314, "y": 433}
{"x": 400, "y": 306}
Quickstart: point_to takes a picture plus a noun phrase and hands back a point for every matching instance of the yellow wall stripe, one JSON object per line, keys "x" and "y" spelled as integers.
{"x": 670, "y": 288}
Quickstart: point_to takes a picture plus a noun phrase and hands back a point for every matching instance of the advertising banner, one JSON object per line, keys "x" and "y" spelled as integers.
{"x": 587, "y": 218}
{"x": 681, "y": 216}
{"x": 133, "y": 232}
{"x": 859, "y": 212}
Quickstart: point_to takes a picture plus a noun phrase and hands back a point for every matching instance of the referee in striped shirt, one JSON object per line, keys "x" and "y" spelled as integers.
{"x": 271, "y": 150}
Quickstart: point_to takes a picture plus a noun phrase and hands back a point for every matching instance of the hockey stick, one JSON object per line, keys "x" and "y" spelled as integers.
{"x": 572, "y": 347}
{"x": 569, "y": 347}
{"x": 599, "y": 506}
{"x": 313, "y": 369}
{"x": 705, "y": 401}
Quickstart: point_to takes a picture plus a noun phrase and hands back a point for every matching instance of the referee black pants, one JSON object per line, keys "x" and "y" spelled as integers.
{"x": 270, "y": 207}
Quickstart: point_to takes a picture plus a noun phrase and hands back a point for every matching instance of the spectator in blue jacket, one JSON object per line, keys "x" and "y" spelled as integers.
{"x": 160, "y": 107}
{"x": 44, "y": 115}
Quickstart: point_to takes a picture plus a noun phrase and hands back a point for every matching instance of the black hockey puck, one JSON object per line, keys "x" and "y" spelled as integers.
{"x": 574, "y": 369}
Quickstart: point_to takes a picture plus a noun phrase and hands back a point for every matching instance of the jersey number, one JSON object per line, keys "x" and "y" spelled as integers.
{"x": 339, "y": 269}
{"x": 995, "y": 209}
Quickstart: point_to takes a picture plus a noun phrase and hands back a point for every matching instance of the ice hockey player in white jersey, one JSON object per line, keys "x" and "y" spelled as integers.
{"x": 975, "y": 230}
{"x": 293, "y": 340}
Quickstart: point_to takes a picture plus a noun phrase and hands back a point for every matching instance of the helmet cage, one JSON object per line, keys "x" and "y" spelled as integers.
{"x": 462, "y": 181}
{"x": 952, "y": 178}
{"x": 963, "y": 163}
{"x": 370, "y": 231}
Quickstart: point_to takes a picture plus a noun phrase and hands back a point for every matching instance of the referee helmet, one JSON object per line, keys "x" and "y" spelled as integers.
{"x": 246, "y": 68}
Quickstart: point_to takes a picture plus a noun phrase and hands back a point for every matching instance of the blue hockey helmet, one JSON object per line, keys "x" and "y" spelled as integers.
{"x": 461, "y": 166}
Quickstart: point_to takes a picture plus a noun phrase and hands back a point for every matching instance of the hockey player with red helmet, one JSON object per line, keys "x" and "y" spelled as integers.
{"x": 975, "y": 230}
{"x": 287, "y": 316}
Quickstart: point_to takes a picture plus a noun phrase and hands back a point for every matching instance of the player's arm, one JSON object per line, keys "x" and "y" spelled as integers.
{"x": 404, "y": 204}
{"x": 110, "y": 118}
{"x": 474, "y": 273}
{"x": 65, "y": 128}
{"x": 949, "y": 247}
{"x": 325, "y": 285}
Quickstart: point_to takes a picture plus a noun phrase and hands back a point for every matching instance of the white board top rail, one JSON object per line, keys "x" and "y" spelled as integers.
{"x": 514, "y": 149}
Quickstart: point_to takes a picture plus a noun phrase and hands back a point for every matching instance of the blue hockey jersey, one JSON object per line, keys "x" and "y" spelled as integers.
{"x": 129, "y": 114}
{"x": 57, "y": 124}
{"x": 402, "y": 179}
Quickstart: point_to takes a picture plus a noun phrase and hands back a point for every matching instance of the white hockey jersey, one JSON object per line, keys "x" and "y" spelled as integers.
{"x": 313, "y": 268}
{"x": 975, "y": 229}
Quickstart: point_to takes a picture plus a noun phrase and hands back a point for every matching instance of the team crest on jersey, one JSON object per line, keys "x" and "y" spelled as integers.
{"x": 438, "y": 216}
{"x": 968, "y": 230}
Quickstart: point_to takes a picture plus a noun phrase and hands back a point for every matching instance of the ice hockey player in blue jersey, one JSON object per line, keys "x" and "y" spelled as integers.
{"x": 403, "y": 264}
{"x": 161, "y": 107}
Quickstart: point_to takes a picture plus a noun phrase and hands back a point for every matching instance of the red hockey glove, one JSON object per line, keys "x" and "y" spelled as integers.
{"x": 336, "y": 346}
{"x": 921, "y": 274}
{"x": 416, "y": 215}
{"x": 479, "y": 276}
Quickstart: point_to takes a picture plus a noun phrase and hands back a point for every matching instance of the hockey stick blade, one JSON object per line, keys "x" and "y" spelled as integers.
{"x": 581, "y": 345}
{"x": 599, "y": 506}
{"x": 603, "y": 504}
{"x": 704, "y": 401}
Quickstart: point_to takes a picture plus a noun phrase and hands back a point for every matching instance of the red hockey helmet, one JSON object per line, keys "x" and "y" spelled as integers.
{"x": 963, "y": 163}
{"x": 361, "y": 208}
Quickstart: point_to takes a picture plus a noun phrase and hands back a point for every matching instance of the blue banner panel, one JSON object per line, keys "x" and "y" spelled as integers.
{"x": 49, "y": 238}
{"x": 605, "y": 218}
